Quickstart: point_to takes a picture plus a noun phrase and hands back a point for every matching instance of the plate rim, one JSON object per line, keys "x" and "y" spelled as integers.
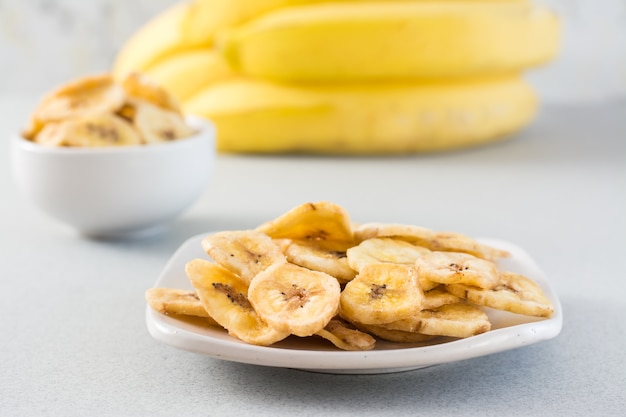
{"x": 165, "y": 329}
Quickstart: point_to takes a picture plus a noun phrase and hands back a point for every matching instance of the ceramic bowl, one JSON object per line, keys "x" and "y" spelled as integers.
{"x": 116, "y": 192}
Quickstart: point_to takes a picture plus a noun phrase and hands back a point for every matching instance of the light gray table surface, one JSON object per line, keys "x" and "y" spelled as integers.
{"x": 73, "y": 337}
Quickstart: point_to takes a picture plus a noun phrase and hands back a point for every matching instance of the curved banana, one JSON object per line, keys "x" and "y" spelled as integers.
{"x": 185, "y": 73}
{"x": 264, "y": 117}
{"x": 393, "y": 39}
{"x": 186, "y": 26}
{"x": 160, "y": 37}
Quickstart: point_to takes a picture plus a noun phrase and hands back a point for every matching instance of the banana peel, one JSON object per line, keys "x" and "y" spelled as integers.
{"x": 186, "y": 73}
{"x": 254, "y": 116}
{"x": 393, "y": 39}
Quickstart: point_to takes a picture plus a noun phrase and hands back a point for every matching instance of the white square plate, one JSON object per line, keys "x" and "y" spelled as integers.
{"x": 509, "y": 331}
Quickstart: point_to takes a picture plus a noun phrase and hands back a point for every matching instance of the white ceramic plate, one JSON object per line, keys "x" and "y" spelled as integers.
{"x": 509, "y": 331}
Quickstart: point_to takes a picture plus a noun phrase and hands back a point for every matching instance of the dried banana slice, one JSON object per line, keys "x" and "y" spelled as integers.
{"x": 382, "y": 293}
{"x": 342, "y": 336}
{"x": 403, "y": 231}
{"x": 457, "y": 268}
{"x": 93, "y": 130}
{"x": 295, "y": 299}
{"x": 225, "y": 298}
{"x": 436, "y": 241}
{"x": 456, "y": 242}
{"x": 454, "y": 320}
{"x": 245, "y": 252}
{"x": 33, "y": 128}
{"x": 172, "y": 301}
{"x": 397, "y": 336}
{"x": 438, "y": 297}
{"x": 515, "y": 293}
{"x": 140, "y": 87}
{"x": 377, "y": 250}
{"x": 321, "y": 220}
{"x": 157, "y": 124}
{"x": 320, "y": 255}
{"x": 89, "y": 95}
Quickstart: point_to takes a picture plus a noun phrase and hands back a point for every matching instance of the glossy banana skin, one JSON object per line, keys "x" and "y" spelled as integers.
{"x": 381, "y": 40}
{"x": 257, "y": 116}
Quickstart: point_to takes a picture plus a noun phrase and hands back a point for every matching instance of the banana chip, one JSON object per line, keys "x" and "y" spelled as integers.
{"x": 438, "y": 297}
{"x": 295, "y": 299}
{"x": 382, "y": 293}
{"x": 515, "y": 293}
{"x": 157, "y": 124}
{"x": 321, "y": 220}
{"x": 458, "y": 268}
{"x": 91, "y": 130}
{"x": 346, "y": 338}
{"x": 172, "y": 301}
{"x": 140, "y": 87}
{"x": 245, "y": 253}
{"x": 225, "y": 298}
{"x": 324, "y": 256}
{"x": 454, "y": 320}
{"x": 436, "y": 241}
{"x": 388, "y": 250}
{"x": 89, "y": 95}
{"x": 391, "y": 335}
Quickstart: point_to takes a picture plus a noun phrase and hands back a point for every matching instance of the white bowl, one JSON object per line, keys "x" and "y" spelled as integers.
{"x": 116, "y": 192}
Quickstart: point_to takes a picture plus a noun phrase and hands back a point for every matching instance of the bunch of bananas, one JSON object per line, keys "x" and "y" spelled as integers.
{"x": 348, "y": 76}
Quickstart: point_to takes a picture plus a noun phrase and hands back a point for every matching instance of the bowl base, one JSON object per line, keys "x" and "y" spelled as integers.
{"x": 131, "y": 234}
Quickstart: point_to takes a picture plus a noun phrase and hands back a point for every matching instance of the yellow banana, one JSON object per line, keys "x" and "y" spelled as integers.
{"x": 378, "y": 40}
{"x": 185, "y": 73}
{"x": 188, "y": 25}
{"x": 160, "y": 37}
{"x": 264, "y": 117}
{"x": 206, "y": 18}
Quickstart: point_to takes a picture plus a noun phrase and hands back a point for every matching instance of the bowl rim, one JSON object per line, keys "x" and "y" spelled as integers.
{"x": 205, "y": 129}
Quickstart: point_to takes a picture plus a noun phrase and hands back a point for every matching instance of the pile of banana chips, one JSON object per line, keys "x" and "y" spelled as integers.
{"x": 312, "y": 272}
{"x": 97, "y": 111}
